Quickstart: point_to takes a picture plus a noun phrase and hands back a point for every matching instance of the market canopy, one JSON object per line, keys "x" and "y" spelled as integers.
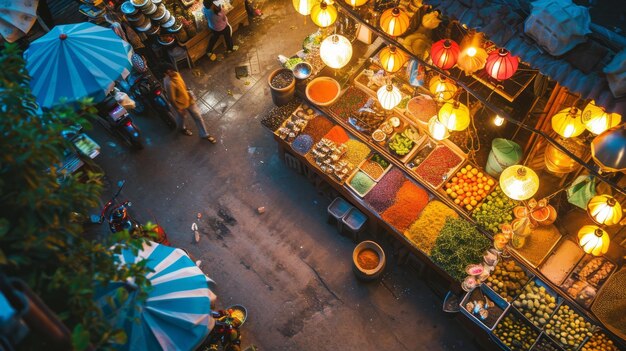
{"x": 17, "y": 18}
{"x": 75, "y": 61}
{"x": 580, "y": 70}
{"x": 177, "y": 312}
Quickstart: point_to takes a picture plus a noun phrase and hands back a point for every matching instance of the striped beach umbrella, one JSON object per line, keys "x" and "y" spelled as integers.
{"x": 75, "y": 61}
{"x": 177, "y": 312}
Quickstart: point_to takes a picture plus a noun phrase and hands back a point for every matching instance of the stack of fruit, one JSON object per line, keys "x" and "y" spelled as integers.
{"x": 495, "y": 211}
{"x": 469, "y": 186}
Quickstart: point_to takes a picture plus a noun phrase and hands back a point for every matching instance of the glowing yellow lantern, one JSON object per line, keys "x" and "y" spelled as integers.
{"x": 454, "y": 115}
{"x": 323, "y": 15}
{"x": 389, "y": 96}
{"x": 356, "y": 3}
{"x": 604, "y": 210}
{"x": 336, "y": 51}
{"x": 304, "y": 6}
{"x": 519, "y": 182}
{"x": 593, "y": 240}
{"x": 437, "y": 130}
{"x": 392, "y": 59}
{"x": 394, "y": 21}
{"x": 441, "y": 88}
{"x": 568, "y": 123}
{"x": 597, "y": 120}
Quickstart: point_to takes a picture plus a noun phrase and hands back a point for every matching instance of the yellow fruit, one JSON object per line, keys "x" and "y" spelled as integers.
{"x": 463, "y": 171}
{"x": 469, "y": 207}
{"x": 487, "y": 187}
{"x": 468, "y": 167}
{"x": 466, "y": 201}
{"x": 480, "y": 175}
{"x": 457, "y": 201}
{"x": 490, "y": 182}
{"x": 448, "y": 190}
{"x": 474, "y": 171}
{"x": 473, "y": 202}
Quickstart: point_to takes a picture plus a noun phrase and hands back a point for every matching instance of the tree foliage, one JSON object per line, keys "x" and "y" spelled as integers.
{"x": 40, "y": 242}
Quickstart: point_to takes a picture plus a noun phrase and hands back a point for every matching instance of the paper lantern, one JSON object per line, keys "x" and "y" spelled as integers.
{"x": 608, "y": 149}
{"x": 597, "y": 120}
{"x": 568, "y": 123}
{"x": 593, "y": 240}
{"x": 389, "y": 96}
{"x": 454, "y": 115}
{"x": 437, "y": 130}
{"x": 323, "y": 15}
{"x": 356, "y": 3}
{"x": 441, "y": 88}
{"x": 472, "y": 59}
{"x": 336, "y": 51}
{"x": 392, "y": 59}
{"x": 604, "y": 210}
{"x": 519, "y": 182}
{"x": 444, "y": 53}
{"x": 394, "y": 21}
{"x": 304, "y": 6}
{"x": 501, "y": 65}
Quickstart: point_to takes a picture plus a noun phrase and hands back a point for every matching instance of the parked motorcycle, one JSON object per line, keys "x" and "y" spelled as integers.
{"x": 147, "y": 91}
{"x": 118, "y": 217}
{"x": 115, "y": 118}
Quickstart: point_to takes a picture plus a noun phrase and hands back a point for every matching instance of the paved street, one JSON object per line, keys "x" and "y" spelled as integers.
{"x": 287, "y": 266}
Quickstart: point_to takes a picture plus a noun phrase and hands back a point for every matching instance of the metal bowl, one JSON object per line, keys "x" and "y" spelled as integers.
{"x": 242, "y": 309}
{"x": 302, "y": 70}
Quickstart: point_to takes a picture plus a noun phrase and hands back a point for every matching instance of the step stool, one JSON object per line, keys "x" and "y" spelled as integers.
{"x": 353, "y": 223}
{"x": 178, "y": 54}
{"x": 337, "y": 210}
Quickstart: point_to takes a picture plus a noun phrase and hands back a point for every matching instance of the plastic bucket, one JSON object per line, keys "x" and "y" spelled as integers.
{"x": 282, "y": 96}
{"x": 504, "y": 153}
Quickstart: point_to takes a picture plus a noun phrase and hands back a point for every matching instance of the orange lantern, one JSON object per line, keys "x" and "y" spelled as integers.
{"x": 394, "y": 21}
{"x": 392, "y": 59}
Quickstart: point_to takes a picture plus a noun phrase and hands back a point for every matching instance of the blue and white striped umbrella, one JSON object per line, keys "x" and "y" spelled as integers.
{"x": 75, "y": 61}
{"x": 177, "y": 312}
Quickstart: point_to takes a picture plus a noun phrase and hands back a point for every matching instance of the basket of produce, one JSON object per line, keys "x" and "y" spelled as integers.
{"x": 587, "y": 277}
{"x": 438, "y": 165}
{"x": 537, "y": 302}
{"x": 545, "y": 343}
{"x": 401, "y": 144}
{"x": 514, "y": 333}
{"x": 277, "y": 115}
{"x": 323, "y": 91}
{"x": 484, "y": 307}
{"x": 469, "y": 187}
{"x": 599, "y": 341}
{"x": 497, "y": 209}
{"x": 508, "y": 279}
{"x": 569, "y": 328}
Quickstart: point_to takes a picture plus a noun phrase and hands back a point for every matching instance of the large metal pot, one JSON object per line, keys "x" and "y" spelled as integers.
{"x": 150, "y": 9}
{"x": 141, "y": 3}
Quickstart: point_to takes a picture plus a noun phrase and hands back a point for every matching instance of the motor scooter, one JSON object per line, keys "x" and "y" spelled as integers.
{"x": 116, "y": 119}
{"x": 148, "y": 92}
{"x": 118, "y": 217}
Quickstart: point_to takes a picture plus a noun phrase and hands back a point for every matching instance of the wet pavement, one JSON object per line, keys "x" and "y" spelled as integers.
{"x": 287, "y": 266}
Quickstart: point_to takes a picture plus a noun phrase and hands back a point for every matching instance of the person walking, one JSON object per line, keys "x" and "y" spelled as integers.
{"x": 183, "y": 101}
{"x": 218, "y": 23}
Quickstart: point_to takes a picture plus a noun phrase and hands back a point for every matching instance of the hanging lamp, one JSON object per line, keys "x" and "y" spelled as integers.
{"x": 394, "y": 21}
{"x": 454, "y": 115}
{"x": 597, "y": 120}
{"x": 323, "y": 15}
{"x": 444, "y": 53}
{"x": 604, "y": 210}
{"x": 336, "y": 51}
{"x": 442, "y": 88}
{"x": 568, "y": 123}
{"x": 392, "y": 59}
{"x": 501, "y": 64}
{"x": 389, "y": 96}
{"x": 356, "y": 3}
{"x": 593, "y": 239}
{"x": 519, "y": 182}
{"x": 304, "y": 7}
{"x": 437, "y": 130}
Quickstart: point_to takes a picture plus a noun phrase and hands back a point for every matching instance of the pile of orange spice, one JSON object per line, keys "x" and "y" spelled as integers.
{"x": 410, "y": 201}
{"x": 323, "y": 90}
{"x": 337, "y": 135}
{"x": 367, "y": 259}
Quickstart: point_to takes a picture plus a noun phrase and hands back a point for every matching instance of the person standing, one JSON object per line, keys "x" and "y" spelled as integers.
{"x": 183, "y": 101}
{"x": 218, "y": 23}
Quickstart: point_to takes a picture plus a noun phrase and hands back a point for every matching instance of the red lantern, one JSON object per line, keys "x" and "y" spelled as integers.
{"x": 501, "y": 64}
{"x": 444, "y": 53}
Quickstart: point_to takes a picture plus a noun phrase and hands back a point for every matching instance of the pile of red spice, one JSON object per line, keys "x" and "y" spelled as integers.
{"x": 337, "y": 135}
{"x": 410, "y": 201}
{"x": 318, "y": 127}
{"x": 438, "y": 164}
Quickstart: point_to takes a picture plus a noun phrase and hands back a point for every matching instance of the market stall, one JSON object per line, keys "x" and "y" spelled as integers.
{"x": 396, "y": 128}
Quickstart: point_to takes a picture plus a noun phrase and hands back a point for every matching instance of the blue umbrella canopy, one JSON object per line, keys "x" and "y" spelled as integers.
{"x": 609, "y": 149}
{"x": 177, "y": 312}
{"x": 75, "y": 61}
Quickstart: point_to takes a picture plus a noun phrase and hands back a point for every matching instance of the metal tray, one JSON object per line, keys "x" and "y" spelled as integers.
{"x": 451, "y": 174}
{"x": 487, "y": 292}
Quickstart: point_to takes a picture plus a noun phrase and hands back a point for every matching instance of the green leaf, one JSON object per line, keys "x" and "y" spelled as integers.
{"x": 80, "y": 338}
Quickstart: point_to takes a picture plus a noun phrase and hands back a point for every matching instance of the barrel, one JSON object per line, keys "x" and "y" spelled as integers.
{"x": 282, "y": 96}
{"x": 504, "y": 153}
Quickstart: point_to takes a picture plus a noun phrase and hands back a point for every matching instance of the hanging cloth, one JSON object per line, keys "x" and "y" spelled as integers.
{"x": 581, "y": 191}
